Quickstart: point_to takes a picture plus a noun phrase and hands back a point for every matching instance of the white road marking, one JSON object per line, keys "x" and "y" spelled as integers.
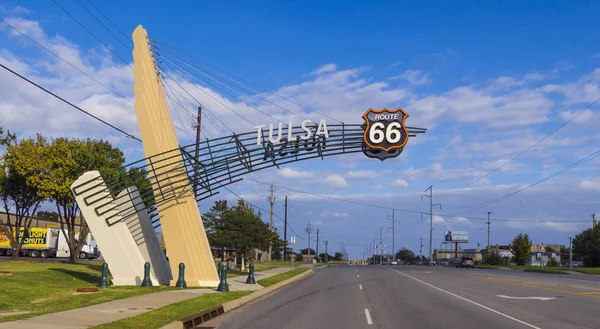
{"x": 468, "y": 300}
{"x": 368, "y": 315}
{"x": 538, "y": 298}
{"x": 358, "y": 276}
{"x": 360, "y": 286}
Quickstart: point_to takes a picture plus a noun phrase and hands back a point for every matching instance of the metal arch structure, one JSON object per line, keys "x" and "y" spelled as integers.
{"x": 221, "y": 162}
{"x": 117, "y": 204}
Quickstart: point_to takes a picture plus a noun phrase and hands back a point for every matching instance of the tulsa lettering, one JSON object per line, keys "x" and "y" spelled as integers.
{"x": 313, "y": 136}
{"x": 321, "y": 130}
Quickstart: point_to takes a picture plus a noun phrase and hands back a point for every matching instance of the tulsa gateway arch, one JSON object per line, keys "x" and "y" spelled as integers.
{"x": 122, "y": 211}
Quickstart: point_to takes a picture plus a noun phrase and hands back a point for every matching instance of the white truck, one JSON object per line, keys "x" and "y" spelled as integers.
{"x": 49, "y": 242}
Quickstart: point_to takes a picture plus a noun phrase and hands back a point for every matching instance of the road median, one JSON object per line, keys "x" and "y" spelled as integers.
{"x": 276, "y": 282}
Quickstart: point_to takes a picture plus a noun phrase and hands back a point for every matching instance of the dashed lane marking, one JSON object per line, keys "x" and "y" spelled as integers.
{"x": 368, "y": 315}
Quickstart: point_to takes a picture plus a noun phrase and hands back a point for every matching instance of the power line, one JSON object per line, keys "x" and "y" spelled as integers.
{"x": 527, "y": 149}
{"x": 418, "y": 212}
{"x": 215, "y": 78}
{"x": 91, "y": 33}
{"x": 232, "y": 78}
{"x": 265, "y": 211}
{"x": 65, "y": 61}
{"x": 104, "y": 26}
{"x": 557, "y": 173}
{"x": 108, "y": 19}
{"x": 72, "y": 105}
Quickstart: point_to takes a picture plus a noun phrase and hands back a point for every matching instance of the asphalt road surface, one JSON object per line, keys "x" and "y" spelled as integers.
{"x": 403, "y": 297}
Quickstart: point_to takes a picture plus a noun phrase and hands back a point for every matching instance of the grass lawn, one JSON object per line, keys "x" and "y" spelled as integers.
{"x": 48, "y": 287}
{"x": 174, "y": 312}
{"x": 281, "y": 277}
{"x": 588, "y": 270}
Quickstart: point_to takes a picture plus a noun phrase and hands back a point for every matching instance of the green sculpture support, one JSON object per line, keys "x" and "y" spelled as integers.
{"x": 250, "y": 279}
{"x": 104, "y": 279}
{"x": 147, "y": 282}
{"x": 181, "y": 281}
{"x": 223, "y": 286}
{"x": 219, "y": 266}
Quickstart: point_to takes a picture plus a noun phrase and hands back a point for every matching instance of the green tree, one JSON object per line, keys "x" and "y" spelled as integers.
{"x": 493, "y": 257}
{"x": 338, "y": 256}
{"x": 137, "y": 177}
{"x": 20, "y": 199}
{"x": 237, "y": 227}
{"x": 553, "y": 262}
{"x": 48, "y": 215}
{"x": 53, "y": 166}
{"x": 322, "y": 257}
{"x": 405, "y": 255}
{"x": 305, "y": 251}
{"x": 521, "y": 249}
{"x": 299, "y": 258}
{"x": 587, "y": 245}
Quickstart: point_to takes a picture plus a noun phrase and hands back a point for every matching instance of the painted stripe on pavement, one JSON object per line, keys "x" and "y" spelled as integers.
{"x": 368, "y": 315}
{"x": 467, "y": 300}
{"x": 360, "y": 286}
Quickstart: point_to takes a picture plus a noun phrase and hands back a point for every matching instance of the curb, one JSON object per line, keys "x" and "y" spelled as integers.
{"x": 188, "y": 322}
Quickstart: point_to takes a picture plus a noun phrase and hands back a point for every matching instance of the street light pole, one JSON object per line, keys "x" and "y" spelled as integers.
{"x": 570, "y": 251}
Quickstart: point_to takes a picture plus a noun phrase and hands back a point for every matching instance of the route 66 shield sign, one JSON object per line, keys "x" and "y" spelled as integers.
{"x": 385, "y": 133}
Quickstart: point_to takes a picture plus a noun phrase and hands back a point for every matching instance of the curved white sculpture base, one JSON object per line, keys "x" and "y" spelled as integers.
{"x": 143, "y": 234}
{"x": 120, "y": 252}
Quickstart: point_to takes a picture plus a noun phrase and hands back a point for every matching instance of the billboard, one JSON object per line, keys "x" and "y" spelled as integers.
{"x": 456, "y": 236}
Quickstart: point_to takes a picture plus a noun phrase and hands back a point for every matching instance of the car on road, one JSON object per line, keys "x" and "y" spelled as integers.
{"x": 466, "y": 262}
{"x": 394, "y": 263}
{"x": 444, "y": 263}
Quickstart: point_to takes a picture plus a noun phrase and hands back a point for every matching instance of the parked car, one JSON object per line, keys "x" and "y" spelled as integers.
{"x": 466, "y": 262}
{"x": 394, "y": 263}
{"x": 444, "y": 263}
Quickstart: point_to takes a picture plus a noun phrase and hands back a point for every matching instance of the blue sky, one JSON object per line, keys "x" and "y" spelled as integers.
{"x": 487, "y": 80}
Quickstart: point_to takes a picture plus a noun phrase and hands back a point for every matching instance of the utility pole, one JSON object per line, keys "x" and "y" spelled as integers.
{"x": 593, "y": 220}
{"x": 285, "y": 230}
{"x": 421, "y": 249}
{"x": 308, "y": 230}
{"x": 381, "y": 245}
{"x": 570, "y": 251}
{"x": 326, "y": 255}
{"x": 317, "y": 255}
{"x": 431, "y": 205}
{"x": 488, "y": 223}
{"x": 271, "y": 199}
{"x": 393, "y": 236}
{"x": 197, "y": 125}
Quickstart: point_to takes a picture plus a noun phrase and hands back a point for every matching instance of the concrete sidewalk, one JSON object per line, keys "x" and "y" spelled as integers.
{"x": 98, "y": 314}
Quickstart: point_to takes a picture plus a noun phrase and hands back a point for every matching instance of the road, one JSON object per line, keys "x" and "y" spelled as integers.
{"x": 424, "y": 297}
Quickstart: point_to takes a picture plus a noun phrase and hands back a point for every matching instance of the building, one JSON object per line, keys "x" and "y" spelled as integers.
{"x": 36, "y": 221}
{"x": 448, "y": 254}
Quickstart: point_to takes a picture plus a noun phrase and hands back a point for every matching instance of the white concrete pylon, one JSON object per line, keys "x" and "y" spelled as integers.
{"x": 143, "y": 234}
{"x": 118, "y": 248}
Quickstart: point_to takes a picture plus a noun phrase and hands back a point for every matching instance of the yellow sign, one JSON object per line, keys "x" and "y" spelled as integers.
{"x": 35, "y": 239}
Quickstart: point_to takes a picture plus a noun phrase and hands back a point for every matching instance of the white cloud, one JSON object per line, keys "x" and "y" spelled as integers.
{"x": 400, "y": 182}
{"x": 463, "y": 220}
{"x": 15, "y": 10}
{"x": 414, "y": 77}
{"x": 438, "y": 219}
{"x": 533, "y": 76}
{"x": 336, "y": 181}
{"x": 291, "y": 173}
{"x": 358, "y": 174}
{"x": 583, "y": 117}
{"x": 595, "y": 55}
{"x": 590, "y": 184}
{"x": 327, "y": 68}
{"x": 334, "y": 214}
